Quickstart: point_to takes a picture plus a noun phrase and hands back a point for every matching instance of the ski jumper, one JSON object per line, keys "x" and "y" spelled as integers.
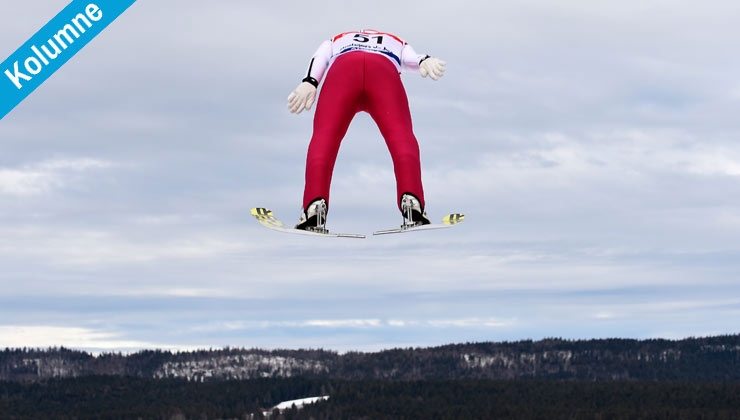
{"x": 362, "y": 72}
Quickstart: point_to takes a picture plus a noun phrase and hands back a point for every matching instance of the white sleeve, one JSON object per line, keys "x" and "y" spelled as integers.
{"x": 410, "y": 59}
{"x": 319, "y": 62}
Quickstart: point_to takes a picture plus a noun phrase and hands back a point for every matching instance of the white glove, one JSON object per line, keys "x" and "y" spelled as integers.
{"x": 302, "y": 98}
{"x": 434, "y": 67}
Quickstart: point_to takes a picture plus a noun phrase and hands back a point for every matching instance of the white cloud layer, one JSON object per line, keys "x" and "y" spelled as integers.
{"x": 48, "y": 175}
{"x": 17, "y": 336}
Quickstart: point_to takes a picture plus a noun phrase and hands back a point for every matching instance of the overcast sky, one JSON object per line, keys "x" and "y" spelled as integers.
{"x": 593, "y": 147}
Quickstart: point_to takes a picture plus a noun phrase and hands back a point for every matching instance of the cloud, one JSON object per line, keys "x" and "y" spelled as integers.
{"x": 48, "y": 175}
{"x": 471, "y": 323}
{"x": 99, "y": 248}
{"x": 361, "y": 324}
{"x": 18, "y": 336}
{"x": 343, "y": 323}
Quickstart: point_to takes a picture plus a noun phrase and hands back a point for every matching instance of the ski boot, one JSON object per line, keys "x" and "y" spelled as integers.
{"x": 313, "y": 217}
{"x": 413, "y": 213}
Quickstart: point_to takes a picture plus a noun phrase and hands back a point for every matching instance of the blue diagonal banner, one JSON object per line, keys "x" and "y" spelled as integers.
{"x": 52, "y": 46}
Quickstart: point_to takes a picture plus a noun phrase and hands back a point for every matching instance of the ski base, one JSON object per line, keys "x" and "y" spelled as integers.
{"x": 447, "y": 222}
{"x": 267, "y": 219}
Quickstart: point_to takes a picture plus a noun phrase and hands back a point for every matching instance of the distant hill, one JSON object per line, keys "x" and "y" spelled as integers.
{"x": 708, "y": 359}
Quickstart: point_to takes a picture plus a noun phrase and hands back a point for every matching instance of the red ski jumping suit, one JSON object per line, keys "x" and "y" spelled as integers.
{"x": 362, "y": 72}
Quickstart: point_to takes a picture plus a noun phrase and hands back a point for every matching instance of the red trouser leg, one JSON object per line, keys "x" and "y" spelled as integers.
{"x": 362, "y": 82}
{"x": 388, "y": 105}
{"x": 337, "y": 104}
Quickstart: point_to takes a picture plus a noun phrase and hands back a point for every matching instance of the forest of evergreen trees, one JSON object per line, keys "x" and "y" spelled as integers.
{"x": 693, "y": 359}
{"x": 696, "y": 378}
{"x": 107, "y": 397}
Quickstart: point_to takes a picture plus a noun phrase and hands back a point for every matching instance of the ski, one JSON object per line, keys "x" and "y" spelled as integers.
{"x": 267, "y": 219}
{"x": 447, "y": 222}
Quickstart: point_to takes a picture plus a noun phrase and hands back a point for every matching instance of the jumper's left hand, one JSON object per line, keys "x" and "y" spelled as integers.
{"x": 302, "y": 98}
{"x": 433, "y": 67}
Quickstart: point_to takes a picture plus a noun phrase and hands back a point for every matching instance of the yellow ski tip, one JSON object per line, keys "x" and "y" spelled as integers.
{"x": 453, "y": 219}
{"x": 260, "y": 211}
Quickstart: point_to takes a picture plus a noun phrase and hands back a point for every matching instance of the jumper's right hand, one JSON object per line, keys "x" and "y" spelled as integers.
{"x": 302, "y": 98}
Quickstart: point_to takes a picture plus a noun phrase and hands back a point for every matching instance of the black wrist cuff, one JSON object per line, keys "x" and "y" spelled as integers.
{"x": 312, "y": 81}
{"x": 422, "y": 60}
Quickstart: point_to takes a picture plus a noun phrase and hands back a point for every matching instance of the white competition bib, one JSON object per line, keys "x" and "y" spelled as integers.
{"x": 383, "y": 43}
